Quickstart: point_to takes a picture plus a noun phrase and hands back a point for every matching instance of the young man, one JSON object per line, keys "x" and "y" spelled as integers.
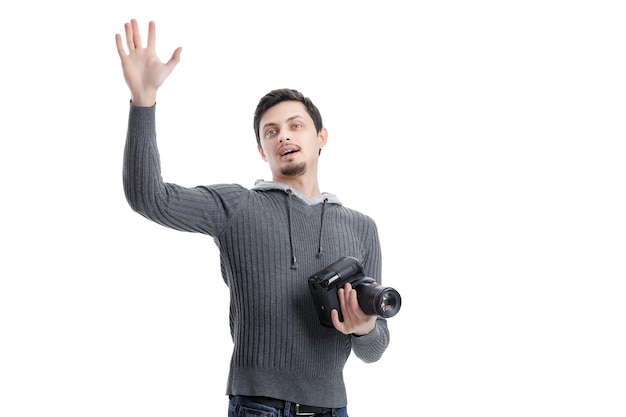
{"x": 271, "y": 239}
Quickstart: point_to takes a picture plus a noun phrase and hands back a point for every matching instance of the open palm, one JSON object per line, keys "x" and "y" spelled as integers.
{"x": 143, "y": 70}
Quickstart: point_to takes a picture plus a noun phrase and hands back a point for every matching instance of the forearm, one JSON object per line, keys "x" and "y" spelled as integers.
{"x": 167, "y": 204}
{"x": 370, "y": 347}
{"x": 141, "y": 169}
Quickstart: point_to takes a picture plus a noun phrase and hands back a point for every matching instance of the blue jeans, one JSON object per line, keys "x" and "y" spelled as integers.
{"x": 241, "y": 407}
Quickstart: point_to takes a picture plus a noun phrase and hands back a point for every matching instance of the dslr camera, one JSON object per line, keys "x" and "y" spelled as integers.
{"x": 374, "y": 299}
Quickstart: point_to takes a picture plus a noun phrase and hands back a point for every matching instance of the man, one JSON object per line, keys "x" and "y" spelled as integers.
{"x": 271, "y": 239}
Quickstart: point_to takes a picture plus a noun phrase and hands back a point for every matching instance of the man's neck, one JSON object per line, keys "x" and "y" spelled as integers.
{"x": 307, "y": 187}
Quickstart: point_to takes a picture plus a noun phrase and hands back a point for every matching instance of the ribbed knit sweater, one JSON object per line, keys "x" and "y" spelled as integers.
{"x": 271, "y": 239}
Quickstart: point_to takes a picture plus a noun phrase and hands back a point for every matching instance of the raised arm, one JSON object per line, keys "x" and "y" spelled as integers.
{"x": 143, "y": 70}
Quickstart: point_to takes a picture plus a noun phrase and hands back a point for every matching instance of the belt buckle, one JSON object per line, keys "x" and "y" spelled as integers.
{"x": 302, "y": 413}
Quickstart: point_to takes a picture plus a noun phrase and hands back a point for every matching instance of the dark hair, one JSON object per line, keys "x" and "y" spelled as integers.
{"x": 285, "y": 94}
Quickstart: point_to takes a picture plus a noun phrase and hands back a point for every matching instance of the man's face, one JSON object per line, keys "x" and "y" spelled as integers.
{"x": 289, "y": 141}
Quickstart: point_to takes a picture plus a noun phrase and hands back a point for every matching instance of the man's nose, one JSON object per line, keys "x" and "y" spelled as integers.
{"x": 283, "y": 136}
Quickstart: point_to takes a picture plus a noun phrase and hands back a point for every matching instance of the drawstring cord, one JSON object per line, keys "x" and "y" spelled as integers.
{"x": 320, "y": 252}
{"x": 321, "y": 248}
{"x": 294, "y": 260}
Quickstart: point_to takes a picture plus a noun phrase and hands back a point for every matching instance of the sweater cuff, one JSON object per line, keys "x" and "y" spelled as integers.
{"x": 132, "y": 106}
{"x": 366, "y": 338}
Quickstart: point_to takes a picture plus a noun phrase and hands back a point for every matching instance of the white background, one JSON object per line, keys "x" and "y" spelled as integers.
{"x": 486, "y": 138}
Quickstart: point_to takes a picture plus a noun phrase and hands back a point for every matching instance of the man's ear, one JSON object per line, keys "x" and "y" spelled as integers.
{"x": 261, "y": 152}
{"x": 322, "y": 137}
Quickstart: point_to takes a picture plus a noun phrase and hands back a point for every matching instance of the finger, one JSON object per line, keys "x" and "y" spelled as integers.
{"x": 128, "y": 29}
{"x": 350, "y": 312}
{"x": 351, "y": 296}
{"x": 354, "y": 305}
{"x": 339, "y": 325}
{"x": 136, "y": 34}
{"x": 347, "y": 308}
{"x": 351, "y": 300}
{"x": 151, "y": 35}
{"x": 120, "y": 48}
{"x": 341, "y": 295}
{"x": 173, "y": 61}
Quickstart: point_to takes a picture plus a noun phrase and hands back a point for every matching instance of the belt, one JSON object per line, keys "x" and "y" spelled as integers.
{"x": 298, "y": 409}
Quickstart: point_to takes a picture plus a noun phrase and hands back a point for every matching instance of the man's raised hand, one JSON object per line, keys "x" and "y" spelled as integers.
{"x": 143, "y": 70}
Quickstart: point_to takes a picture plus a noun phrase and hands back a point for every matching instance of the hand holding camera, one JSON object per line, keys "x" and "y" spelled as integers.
{"x": 373, "y": 299}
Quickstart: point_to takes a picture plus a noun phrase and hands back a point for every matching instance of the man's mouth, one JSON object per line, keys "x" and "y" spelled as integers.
{"x": 288, "y": 151}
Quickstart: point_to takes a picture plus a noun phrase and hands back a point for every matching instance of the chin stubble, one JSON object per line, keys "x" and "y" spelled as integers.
{"x": 293, "y": 170}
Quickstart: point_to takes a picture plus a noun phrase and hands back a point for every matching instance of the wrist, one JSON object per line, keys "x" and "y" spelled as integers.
{"x": 365, "y": 331}
{"x": 143, "y": 98}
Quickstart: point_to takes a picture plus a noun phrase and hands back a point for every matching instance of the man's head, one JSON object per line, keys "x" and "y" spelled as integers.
{"x": 290, "y": 135}
{"x": 285, "y": 94}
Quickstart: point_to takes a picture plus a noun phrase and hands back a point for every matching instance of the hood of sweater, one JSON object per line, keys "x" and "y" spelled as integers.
{"x": 323, "y": 199}
{"x": 263, "y": 185}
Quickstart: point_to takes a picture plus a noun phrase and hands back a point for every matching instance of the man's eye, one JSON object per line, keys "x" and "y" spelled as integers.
{"x": 270, "y": 132}
{"x": 297, "y": 125}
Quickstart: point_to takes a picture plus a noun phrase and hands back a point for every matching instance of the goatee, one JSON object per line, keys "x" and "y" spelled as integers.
{"x": 293, "y": 170}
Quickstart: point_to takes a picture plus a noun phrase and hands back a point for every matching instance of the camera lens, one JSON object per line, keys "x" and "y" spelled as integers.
{"x": 388, "y": 303}
{"x": 378, "y": 300}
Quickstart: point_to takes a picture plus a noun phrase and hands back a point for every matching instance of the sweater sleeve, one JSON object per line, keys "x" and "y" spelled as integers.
{"x": 203, "y": 209}
{"x": 370, "y": 347}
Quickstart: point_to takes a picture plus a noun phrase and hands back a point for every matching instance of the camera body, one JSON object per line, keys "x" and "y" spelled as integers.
{"x": 373, "y": 299}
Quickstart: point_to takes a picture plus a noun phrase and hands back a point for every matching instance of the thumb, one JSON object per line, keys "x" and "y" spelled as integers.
{"x": 175, "y": 58}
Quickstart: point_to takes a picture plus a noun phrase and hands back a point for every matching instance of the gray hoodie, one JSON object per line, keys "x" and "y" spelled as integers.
{"x": 271, "y": 239}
